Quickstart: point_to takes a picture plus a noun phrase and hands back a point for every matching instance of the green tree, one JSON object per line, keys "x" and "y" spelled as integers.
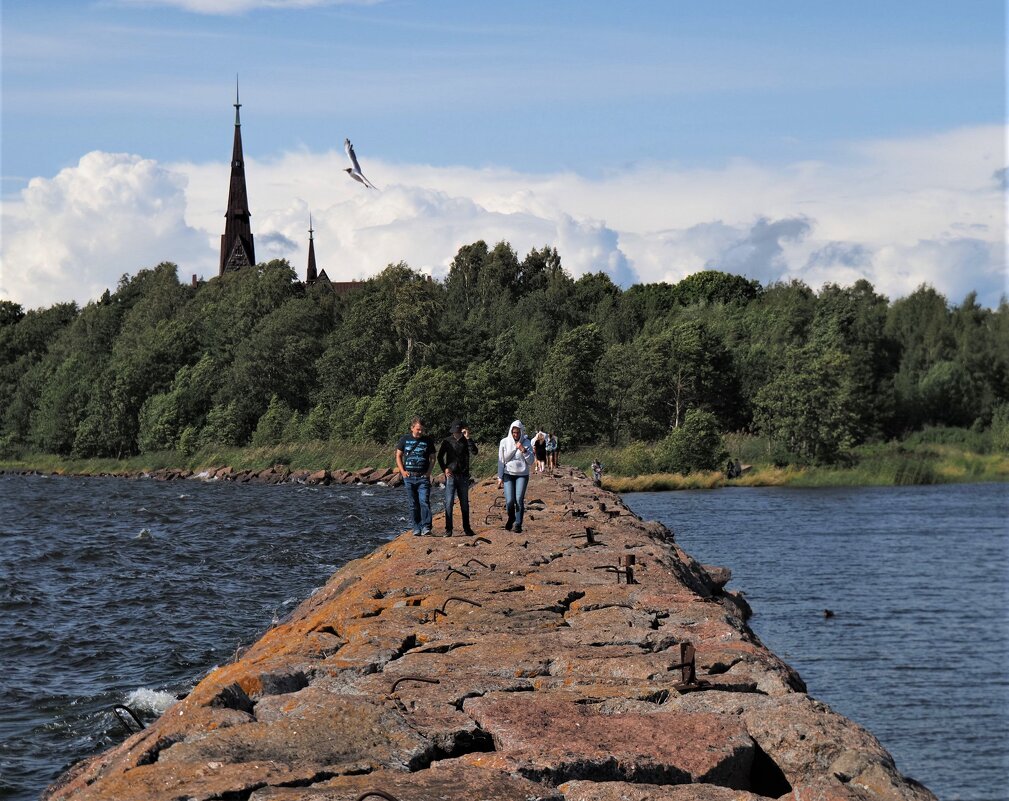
{"x": 270, "y": 427}
{"x": 381, "y": 420}
{"x": 696, "y": 445}
{"x": 565, "y": 398}
{"x": 712, "y": 286}
{"x": 809, "y": 407}
{"x": 434, "y": 394}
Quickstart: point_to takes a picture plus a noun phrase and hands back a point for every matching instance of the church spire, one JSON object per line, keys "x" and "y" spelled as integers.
{"x": 312, "y": 274}
{"x": 237, "y": 248}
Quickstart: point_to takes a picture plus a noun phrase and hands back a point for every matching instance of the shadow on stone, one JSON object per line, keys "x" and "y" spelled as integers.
{"x": 766, "y": 777}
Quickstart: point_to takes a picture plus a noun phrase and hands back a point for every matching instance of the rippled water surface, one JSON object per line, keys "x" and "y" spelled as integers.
{"x": 116, "y": 591}
{"x": 917, "y": 578}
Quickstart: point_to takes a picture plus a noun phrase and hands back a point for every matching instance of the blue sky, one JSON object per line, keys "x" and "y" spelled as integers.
{"x": 481, "y": 119}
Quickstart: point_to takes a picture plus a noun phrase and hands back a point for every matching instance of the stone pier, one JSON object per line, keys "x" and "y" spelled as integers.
{"x": 506, "y": 666}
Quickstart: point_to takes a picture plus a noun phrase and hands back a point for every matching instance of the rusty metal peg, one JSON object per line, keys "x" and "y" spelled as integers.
{"x": 590, "y": 536}
{"x": 454, "y": 598}
{"x": 687, "y": 666}
{"x": 482, "y": 564}
{"x": 424, "y": 679}
{"x": 575, "y": 513}
{"x": 379, "y": 793}
{"x": 476, "y": 542}
{"x": 127, "y": 718}
{"x": 496, "y": 509}
{"x": 625, "y": 569}
{"x": 452, "y": 570}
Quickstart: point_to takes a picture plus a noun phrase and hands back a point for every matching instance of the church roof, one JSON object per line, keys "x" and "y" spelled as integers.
{"x": 237, "y": 247}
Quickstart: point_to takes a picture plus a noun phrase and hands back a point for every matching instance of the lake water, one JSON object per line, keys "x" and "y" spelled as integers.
{"x": 116, "y": 591}
{"x": 917, "y": 578}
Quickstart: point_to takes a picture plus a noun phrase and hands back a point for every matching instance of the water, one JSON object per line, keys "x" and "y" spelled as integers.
{"x": 917, "y": 579}
{"x": 116, "y": 591}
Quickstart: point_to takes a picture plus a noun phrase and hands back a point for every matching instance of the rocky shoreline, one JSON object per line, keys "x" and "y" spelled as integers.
{"x": 278, "y": 474}
{"x": 588, "y": 659}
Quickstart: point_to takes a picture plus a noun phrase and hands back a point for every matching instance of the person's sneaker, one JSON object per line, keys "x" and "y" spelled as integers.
{"x": 469, "y": 532}
{"x": 416, "y": 533}
{"x": 424, "y": 532}
{"x": 517, "y": 529}
{"x": 448, "y": 532}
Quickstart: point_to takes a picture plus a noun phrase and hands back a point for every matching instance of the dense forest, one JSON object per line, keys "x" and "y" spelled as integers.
{"x": 257, "y": 357}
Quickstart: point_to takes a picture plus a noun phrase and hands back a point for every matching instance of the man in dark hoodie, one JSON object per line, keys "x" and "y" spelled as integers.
{"x": 453, "y": 459}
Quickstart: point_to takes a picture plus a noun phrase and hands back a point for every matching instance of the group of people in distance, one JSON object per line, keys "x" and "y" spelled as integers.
{"x": 545, "y": 451}
{"x": 416, "y": 455}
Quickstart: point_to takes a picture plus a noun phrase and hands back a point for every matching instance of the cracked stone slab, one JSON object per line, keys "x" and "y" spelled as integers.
{"x": 557, "y": 740}
{"x": 437, "y": 784}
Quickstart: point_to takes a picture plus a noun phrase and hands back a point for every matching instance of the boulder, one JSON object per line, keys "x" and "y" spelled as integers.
{"x": 318, "y": 477}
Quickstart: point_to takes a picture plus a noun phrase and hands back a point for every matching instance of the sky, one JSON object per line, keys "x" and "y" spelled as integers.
{"x": 825, "y": 142}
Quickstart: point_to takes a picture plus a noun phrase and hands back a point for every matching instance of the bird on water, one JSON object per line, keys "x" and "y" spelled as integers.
{"x": 354, "y": 171}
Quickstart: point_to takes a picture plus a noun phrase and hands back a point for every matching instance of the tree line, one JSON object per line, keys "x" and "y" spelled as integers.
{"x": 255, "y": 357}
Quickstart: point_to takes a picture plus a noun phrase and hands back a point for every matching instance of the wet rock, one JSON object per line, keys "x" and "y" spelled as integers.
{"x": 720, "y": 576}
{"x": 318, "y": 477}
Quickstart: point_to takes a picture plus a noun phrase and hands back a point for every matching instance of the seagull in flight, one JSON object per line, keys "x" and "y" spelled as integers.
{"x": 354, "y": 171}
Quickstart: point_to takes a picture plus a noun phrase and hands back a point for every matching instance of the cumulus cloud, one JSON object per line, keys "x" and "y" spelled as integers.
{"x": 759, "y": 253}
{"x": 72, "y": 236}
{"x": 896, "y": 213}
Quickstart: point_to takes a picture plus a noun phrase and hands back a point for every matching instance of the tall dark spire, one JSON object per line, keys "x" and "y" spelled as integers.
{"x": 312, "y": 274}
{"x": 237, "y": 249}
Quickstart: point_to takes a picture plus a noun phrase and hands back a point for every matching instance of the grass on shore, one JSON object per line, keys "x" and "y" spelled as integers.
{"x": 930, "y": 457}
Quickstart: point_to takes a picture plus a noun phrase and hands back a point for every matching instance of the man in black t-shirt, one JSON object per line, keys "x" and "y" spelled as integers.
{"x": 414, "y": 459}
{"x": 453, "y": 459}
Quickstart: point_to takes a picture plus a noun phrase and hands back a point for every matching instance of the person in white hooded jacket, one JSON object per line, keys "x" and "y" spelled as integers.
{"x": 514, "y": 455}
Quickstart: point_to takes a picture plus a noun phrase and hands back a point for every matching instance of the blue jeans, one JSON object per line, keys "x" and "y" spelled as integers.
{"x": 456, "y": 485}
{"x": 419, "y": 490}
{"x": 515, "y": 497}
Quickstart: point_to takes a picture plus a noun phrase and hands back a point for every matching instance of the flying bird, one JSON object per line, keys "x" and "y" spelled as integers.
{"x": 354, "y": 171}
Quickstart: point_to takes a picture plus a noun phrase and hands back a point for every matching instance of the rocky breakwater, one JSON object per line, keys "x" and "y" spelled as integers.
{"x": 506, "y": 666}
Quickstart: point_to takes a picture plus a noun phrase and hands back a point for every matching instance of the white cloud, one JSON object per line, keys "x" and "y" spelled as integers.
{"x": 896, "y": 213}
{"x": 72, "y": 236}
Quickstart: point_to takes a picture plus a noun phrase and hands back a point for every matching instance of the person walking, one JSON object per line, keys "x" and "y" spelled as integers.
{"x": 453, "y": 459}
{"x": 540, "y": 450}
{"x": 515, "y": 454}
{"x": 414, "y": 459}
{"x": 551, "y": 450}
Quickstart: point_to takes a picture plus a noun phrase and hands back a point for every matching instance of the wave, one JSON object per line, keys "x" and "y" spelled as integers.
{"x": 150, "y": 701}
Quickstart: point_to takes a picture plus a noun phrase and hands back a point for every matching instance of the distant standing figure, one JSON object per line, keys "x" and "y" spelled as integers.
{"x": 551, "y": 450}
{"x": 453, "y": 459}
{"x": 414, "y": 459}
{"x": 540, "y": 451}
{"x": 597, "y": 472}
{"x": 514, "y": 455}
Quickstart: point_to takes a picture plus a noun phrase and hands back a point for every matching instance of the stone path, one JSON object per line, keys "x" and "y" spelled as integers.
{"x": 506, "y": 666}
